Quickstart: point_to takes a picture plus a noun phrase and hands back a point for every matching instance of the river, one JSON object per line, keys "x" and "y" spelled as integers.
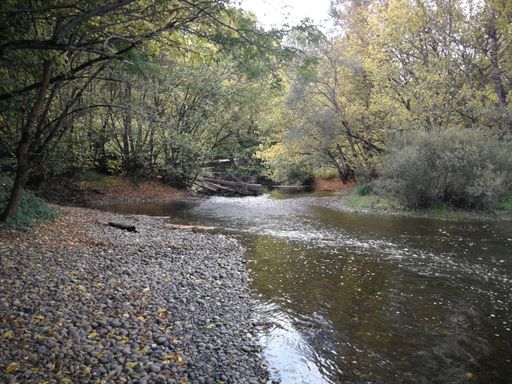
{"x": 359, "y": 298}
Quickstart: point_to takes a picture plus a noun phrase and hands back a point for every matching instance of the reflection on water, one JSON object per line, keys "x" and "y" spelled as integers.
{"x": 370, "y": 299}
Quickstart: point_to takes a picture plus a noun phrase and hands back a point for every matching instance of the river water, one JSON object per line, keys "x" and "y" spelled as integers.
{"x": 357, "y": 298}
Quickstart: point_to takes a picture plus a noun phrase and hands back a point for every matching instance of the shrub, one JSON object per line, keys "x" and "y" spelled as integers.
{"x": 88, "y": 176}
{"x": 465, "y": 168}
{"x": 505, "y": 204}
{"x": 31, "y": 211}
{"x": 364, "y": 189}
{"x": 300, "y": 175}
{"x": 327, "y": 173}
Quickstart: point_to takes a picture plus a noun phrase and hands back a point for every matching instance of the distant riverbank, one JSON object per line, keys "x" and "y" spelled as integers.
{"x": 349, "y": 201}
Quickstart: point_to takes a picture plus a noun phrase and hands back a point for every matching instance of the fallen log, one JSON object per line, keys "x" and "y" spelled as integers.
{"x": 205, "y": 186}
{"x": 228, "y": 186}
{"x": 236, "y": 184}
{"x": 129, "y": 228}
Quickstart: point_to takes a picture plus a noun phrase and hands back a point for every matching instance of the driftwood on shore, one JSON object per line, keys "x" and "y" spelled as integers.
{"x": 228, "y": 187}
{"x": 186, "y": 226}
{"x": 126, "y": 227}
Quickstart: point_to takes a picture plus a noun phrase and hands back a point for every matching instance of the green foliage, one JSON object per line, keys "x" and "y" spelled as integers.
{"x": 464, "y": 168}
{"x": 32, "y": 210}
{"x": 88, "y": 176}
{"x": 371, "y": 202}
{"x": 252, "y": 169}
{"x": 140, "y": 88}
{"x": 298, "y": 174}
{"x": 326, "y": 173}
{"x": 399, "y": 64}
{"x": 505, "y": 204}
{"x": 364, "y": 189}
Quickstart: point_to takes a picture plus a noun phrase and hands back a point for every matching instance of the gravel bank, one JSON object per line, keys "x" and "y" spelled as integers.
{"x": 84, "y": 302}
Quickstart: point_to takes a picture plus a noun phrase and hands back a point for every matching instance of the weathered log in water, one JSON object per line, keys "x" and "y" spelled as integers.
{"x": 228, "y": 187}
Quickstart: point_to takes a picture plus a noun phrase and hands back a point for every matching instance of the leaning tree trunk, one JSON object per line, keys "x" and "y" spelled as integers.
{"x": 22, "y": 153}
{"x": 342, "y": 173}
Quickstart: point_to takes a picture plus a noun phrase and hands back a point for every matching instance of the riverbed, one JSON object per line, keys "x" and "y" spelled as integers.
{"x": 361, "y": 298}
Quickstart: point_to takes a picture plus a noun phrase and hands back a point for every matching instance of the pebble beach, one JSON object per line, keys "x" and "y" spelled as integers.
{"x": 84, "y": 302}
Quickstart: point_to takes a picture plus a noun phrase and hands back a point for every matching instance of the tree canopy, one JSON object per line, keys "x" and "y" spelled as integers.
{"x": 157, "y": 88}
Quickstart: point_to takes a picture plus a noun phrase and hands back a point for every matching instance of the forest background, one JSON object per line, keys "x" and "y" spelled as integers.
{"x": 410, "y": 98}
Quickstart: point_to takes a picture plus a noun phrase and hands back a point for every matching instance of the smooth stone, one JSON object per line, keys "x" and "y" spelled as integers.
{"x": 115, "y": 323}
{"x": 156, "y": 368}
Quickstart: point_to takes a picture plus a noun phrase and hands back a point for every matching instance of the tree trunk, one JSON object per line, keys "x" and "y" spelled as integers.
{"x": 127, "y": 130}
{"x": 496, "y": 74}
{"x": 342, "y": 173}
{"x": 22, "y": 153}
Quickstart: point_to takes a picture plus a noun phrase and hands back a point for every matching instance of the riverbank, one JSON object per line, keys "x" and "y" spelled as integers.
{"x": 87, "y": 188}
{"x": 85, "y": 302}
{"x": 350, "y": 201}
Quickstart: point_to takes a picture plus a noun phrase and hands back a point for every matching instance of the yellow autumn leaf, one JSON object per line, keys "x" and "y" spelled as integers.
{"x": 92, "y": 335}
{"x": 8, "y": 335}
{"x": 13, "y": 367}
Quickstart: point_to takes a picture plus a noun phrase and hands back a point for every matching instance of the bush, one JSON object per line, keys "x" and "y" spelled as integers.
{"x": 326, "y": 173}
{"x": 31, "y": 212}
{"x": 300, "y": 175}
{"x": 464, "y": 168}
{"x": 88, "y": 176}
{"x": 505, "y": 204}
{"x": 364, "y": 189}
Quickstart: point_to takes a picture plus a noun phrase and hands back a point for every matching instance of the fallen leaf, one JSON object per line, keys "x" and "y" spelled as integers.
{"x": 92, "y": 335}
{"x": 8, "y": 335}
{"x": 13, "y": 367}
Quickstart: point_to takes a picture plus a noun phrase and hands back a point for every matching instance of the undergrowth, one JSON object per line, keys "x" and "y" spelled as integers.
{"x": 31, "y": 212}
{"x": 505, "y": 204}
{"x": 369, "y": 201}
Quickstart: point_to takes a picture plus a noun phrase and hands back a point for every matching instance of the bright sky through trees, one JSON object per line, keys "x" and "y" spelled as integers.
{"x": 276, "y": 13}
